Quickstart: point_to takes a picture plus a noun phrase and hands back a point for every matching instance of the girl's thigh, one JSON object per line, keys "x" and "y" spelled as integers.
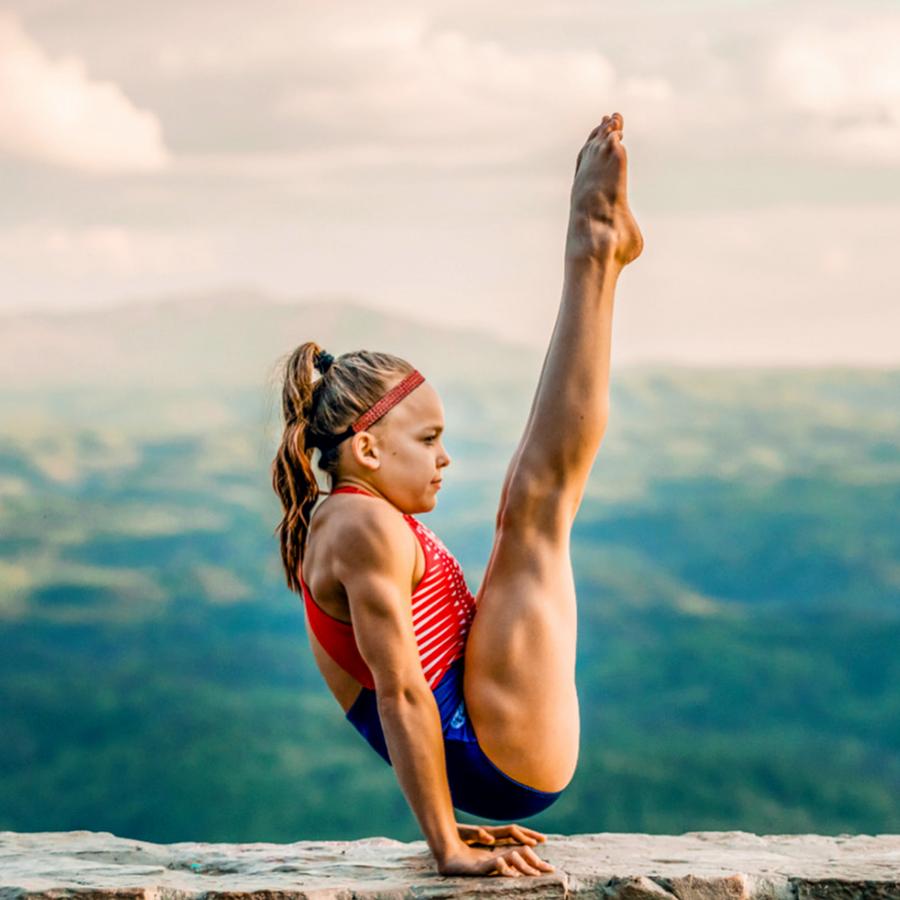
{"x": 519, "y": 678}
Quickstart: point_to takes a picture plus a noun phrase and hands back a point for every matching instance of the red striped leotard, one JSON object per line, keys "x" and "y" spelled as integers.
{"x": 442, "y": 611}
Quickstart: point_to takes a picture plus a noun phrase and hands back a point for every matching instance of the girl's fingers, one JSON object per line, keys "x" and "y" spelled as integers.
{"x": 535, "y": 860}
{"x": 504, "y": 868}
{"x": 524, "y": 835}
{"x": 523, "y": 866}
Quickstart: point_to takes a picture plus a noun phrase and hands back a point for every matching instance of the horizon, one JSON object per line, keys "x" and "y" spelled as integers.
{"x": 246, "y": 295}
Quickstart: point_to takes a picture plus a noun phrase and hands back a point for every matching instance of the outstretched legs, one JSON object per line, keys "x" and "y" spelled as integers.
{"x": 520, "y": 656}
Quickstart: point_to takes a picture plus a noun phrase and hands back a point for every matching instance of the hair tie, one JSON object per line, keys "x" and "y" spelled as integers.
{"x": 323, "y": 361}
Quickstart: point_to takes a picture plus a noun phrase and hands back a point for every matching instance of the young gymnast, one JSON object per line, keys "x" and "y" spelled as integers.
{"x": 472, "y": 700}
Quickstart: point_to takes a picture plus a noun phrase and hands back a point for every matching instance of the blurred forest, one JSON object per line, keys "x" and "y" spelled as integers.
{"x": 737, "y": 558}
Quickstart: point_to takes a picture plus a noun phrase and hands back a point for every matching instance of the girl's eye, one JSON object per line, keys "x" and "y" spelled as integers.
{"x": 432, "y": 438}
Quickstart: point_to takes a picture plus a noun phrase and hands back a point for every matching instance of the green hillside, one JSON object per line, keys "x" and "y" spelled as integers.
{"x": 737, "y": 558}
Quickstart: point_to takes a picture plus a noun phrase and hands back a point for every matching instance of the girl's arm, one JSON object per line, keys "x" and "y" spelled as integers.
{"x": 375, "y": 564}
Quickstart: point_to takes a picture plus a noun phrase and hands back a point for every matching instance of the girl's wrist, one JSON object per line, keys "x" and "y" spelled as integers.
{"x": 445, "y": 849}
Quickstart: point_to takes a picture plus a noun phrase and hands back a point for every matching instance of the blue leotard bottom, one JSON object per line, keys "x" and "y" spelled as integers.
{"x": 477, "y": 786}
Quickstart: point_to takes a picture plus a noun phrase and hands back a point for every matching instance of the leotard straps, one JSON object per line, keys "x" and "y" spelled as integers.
{"x": 442, "y": 611}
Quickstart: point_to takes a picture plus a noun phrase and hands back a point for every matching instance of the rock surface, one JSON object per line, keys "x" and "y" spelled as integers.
{"x": 699, "y": 865}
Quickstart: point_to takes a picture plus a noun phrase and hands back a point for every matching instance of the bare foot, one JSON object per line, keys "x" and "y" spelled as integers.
{"x": 600, "y": 219}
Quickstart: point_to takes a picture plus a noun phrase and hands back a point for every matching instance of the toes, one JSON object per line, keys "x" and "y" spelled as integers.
{"x": 608, "y": 124}
{"x": 597, "y": 128}
{"x": 612, "y": 124}
{"x": 614, "y": 131}
{"x": 607, "y": 134}
{"x": 613, "y": 127}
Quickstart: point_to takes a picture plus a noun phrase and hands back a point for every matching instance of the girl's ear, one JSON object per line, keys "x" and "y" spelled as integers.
{"x": 365, "y": 450}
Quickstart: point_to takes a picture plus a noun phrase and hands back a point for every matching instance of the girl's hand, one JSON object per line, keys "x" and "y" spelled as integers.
{"x": 493, "y": 835}
{"x": 512, "y": 862}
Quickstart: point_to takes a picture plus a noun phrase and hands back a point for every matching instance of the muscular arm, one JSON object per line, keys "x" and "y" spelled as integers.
{"x": 376, "y": 564}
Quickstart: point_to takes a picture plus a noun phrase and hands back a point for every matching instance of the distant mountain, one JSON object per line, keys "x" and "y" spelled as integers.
{"x": 231, "y": 339}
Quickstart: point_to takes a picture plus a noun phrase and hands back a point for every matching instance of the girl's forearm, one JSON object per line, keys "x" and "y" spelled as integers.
{"x": 412, "y": 730}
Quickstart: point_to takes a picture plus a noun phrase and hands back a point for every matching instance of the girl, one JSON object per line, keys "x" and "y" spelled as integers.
{"x": 472, "y": 700}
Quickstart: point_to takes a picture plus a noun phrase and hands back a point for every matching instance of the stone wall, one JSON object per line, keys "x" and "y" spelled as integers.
{"x": 699, "y": 865}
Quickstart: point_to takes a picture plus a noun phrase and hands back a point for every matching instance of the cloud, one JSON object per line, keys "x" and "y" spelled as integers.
{"x": 289, "y": 88}
{"x": 805, "y": 285}
{"x": 845, "y": 83}
{"x": 441, "y": 96}
{"x": 51, "y": 111}
{"x": 106, "y": 250}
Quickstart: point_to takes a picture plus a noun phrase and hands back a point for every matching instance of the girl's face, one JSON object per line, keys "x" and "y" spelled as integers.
{"x": 405, "y": 461}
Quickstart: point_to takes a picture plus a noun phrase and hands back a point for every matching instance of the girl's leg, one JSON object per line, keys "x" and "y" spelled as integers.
{"x": 520, "y": 656}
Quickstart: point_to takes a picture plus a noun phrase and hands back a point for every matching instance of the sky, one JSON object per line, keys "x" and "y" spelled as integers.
{"x": 418, "y": 157}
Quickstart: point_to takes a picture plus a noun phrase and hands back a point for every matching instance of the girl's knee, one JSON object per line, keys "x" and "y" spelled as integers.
{"x": 537, "y": 507}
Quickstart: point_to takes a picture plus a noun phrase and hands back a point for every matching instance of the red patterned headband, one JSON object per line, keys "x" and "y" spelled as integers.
{"x": 374, "y": 413}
